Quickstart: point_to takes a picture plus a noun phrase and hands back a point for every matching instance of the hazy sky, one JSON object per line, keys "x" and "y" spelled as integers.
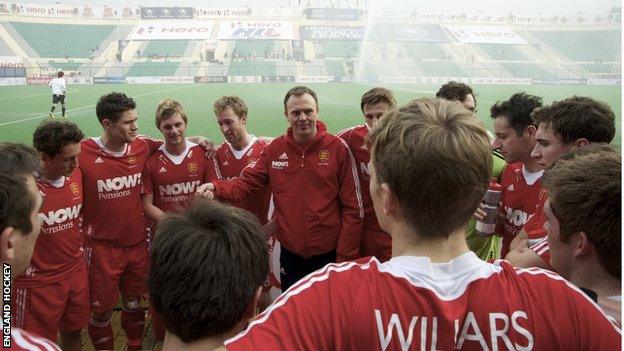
{"x": 493, "y": 7}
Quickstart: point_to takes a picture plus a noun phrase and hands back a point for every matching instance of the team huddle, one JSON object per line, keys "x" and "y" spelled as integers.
{"x": 380, "y": 228}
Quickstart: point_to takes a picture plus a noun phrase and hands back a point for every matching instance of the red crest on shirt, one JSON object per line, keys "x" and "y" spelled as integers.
{"x": 192, "y": 167}
{"x": 324, "y": 155}
{"x": 75, "y": 189}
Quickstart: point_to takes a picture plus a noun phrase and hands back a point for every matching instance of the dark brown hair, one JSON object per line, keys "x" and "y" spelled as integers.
{"x": 298, "y": 91}
{"x": 206, "y": 265}
{"x": 585, "y": 194}
{"x": 51, "y": 137}
{"x": 578, "y": 117}
{"x": 112, "y": 105}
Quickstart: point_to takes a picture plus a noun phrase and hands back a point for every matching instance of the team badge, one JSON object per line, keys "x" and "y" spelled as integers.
{"x": 192, "y": 167}
{"x": 131, "y": 159}
{"x": 251, "y": 160}
{"x": 324, "y": 155}
{"x": 74, "y": 189}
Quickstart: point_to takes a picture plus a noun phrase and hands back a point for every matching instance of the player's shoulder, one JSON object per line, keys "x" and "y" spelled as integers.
{"x": 23, "y": 340}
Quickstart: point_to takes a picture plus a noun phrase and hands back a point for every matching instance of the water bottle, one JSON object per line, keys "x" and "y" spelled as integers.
{"x": 486, "y": 226}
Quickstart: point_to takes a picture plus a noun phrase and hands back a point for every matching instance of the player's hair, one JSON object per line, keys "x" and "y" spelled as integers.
{"x": 436, "y": 158}
{"x": 167, "y": 109}
{"x": 578, "y": 117}
{"x": 298, "y": 91}
{"x": 517, "y": 110}
{"x": 377, "y": 95}
{"x": 60, "y": 74}
{"x": 455, "y": 91}
{"x": 51, "y": 137}
{"x": 234, "y": 102}
{"x": 206, "y": 264}
{"x": 585, "y": 193}
{"x": 18, "y": 162}
{"x": 112, "y": 105}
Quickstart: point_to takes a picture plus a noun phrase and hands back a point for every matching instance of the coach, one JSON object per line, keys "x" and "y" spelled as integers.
{"x": 315, "y": 186}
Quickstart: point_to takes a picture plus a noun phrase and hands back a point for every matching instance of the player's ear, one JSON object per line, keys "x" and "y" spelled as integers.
{"x": 582, "y": 245}
{"x": 244, "y": 119}
{"x": 7, "y": 247}
{"x": 531, "y": 131}
{"x": 581, "y": 142}
{"x": 286, "y": 113}
{"x": 389, "y": 200}
{"x": 250, "y": 311}
{"x": 106, "y": 123}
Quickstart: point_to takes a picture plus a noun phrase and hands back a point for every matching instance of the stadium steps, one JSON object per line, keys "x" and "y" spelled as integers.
{"x": 130, "y": 51}
{"x": 5, "y": 50}
{"x": 120, "y": 32}
{"x": 193, "y": 49}
{"x": 14, "y": 34}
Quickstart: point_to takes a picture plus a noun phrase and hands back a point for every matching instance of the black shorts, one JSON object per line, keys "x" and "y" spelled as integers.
{"x": 56, "y": 98}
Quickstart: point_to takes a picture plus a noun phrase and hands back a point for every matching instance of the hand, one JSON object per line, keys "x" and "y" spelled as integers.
{"x": 206, "y": 144}
{"x": 480, "y": 213}
{"x": 206, "y": 190}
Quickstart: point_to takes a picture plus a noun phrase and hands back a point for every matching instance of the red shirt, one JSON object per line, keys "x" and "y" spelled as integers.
{"x": 318, "y": 202}
{"x": 23, "y": 340}
{"x": 518, "y": 200}
{"x": 541, "y": 248}
{"x": 174, "y": 179}
{"x": 410, "y": 303}
{"x": 535, "y": 226}
{"x": 58, "y": 252}
{"x": 231, "y": 163}
{"x": 355, "y": 138}
{"x": 113, "y": 211}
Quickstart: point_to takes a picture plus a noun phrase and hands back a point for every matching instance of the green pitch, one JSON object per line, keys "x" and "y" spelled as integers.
{"x": 23, "y": 107}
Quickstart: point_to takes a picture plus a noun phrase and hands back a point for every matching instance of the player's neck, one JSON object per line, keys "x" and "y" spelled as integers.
{"x": 406, "y": 242}
{"x": 592, "y": 276}
{"x": 242, "y": 143}
{"x": 177, "y": 149}
{"x": 530, "y": 164}
{"x": 173, "y": 343}
{"x": 45, "y": 173}
{"x": 113, "y": 144}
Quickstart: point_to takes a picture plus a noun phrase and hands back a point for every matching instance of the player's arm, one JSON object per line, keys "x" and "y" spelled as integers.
{"x": 520, "y": 241}
{"x": 153, "y": 212}
{"x": 147, "y": 195}
{"x": 253, "y": 178}
{"x": 525, "y": 257}
{"x": 350, "y": 196}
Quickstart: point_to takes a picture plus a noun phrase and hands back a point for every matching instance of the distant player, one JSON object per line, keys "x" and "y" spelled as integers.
{"x": 59, "y": 87}
{"x": 434, "y": 294}
{"x": 521, "y": 178}
{"x": 374, "y": 103}
{"x": 562, "y": 126}
{"x": 485, "y": 248}
{"x": 20, "y": 203}
{"x": 53, "y": 296}
{"x": 172, "y": 173}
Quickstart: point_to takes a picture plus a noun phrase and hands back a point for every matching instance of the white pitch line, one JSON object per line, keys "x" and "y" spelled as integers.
{"x": 93, "y": 105}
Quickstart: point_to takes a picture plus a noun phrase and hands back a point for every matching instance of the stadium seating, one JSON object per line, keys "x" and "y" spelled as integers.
{"x": 245, "y": 68}
{"x": 165, "y": 48}
{"x": 142, "y": 69}
{"x": 501, "y": 52}
{"x": 63, "y": 40}
{"x": 341, "y": 49}
{"x": 605, "y": 44}
{"x": 527, "y": 70}
{"x": 440, "y": 69}
{"x": 65, "y": 66}
{"x": 255, "y": 48}
{"x": 423, "y": 50}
